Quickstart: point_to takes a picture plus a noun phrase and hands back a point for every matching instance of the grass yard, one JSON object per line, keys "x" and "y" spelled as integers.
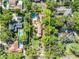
{"x": 68, "y": 51}
{"x": 35, "y": 44}
{"x": 11, "y": 56}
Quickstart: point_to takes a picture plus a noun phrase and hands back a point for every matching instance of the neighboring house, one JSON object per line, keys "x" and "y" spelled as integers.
{"x": 16, "y": 24}
{"x": 63, "y": 1}
{"x": 3, "y": 4}
{"x": 66, "y": 37}
{"x": 38, "y": 1}
{"x": 63, "y": 11}
{"x": 13, "y": 4}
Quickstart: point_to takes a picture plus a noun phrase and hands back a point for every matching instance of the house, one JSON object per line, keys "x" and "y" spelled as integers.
{"x": 3, "y": 4}
{"x": 15, "y": 25}
{"x": 63, "y": 11}
{"x": 66, "y": 38}
{"x": 13, "y": 4}
{"x": 63, "y": 1}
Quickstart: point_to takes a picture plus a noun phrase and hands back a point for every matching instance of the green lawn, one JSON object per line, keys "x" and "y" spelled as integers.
{"x": 11, "y": 56}
{"x": 68, "y": 51}
{"x": 35, "y": 44}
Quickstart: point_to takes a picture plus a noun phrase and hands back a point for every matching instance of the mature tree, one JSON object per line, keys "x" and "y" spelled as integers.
{"x": 37, "y": 7}
{"x": 76, "y": 38}
{"x": 50, "y": 4}
{"x": 75, "y": 49}
{"x": 0, "y": 0}
{"x": 6, "y": 16}
{"x": 5, "y": 33}
{"x": 53, "y": 30}
{"x": 45, "y": 40}
{"x": 17, "y": 10}
{"x": 4, "y": 19}
{"x": 47, "y": 16}
{"x": 58, "y": 21}
{"x": 27, "y": 4}
{"x": 73, "y": 22}
{"x": 75, "y": 5}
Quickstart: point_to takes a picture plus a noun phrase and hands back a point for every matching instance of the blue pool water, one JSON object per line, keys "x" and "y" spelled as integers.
{"x": 20, "y": 33}
{"x": 33, "y": 15}
{"x": 20, "y": 44}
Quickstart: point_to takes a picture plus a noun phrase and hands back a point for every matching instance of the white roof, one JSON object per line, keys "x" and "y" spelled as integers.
{"x": 60, "y": 8}
{"x": 66, "y": 11}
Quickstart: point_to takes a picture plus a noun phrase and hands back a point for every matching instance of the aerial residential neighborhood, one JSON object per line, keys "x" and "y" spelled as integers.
{"x": 39, "y": 29}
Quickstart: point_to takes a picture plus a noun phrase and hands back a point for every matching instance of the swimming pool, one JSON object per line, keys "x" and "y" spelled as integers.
{"x": 34, "y": 16}
{"x": 20, "y": 32}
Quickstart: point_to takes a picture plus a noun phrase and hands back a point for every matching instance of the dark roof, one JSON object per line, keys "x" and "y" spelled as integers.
{"x": 14, "y": 25}
{"x": 20, "y": 18}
